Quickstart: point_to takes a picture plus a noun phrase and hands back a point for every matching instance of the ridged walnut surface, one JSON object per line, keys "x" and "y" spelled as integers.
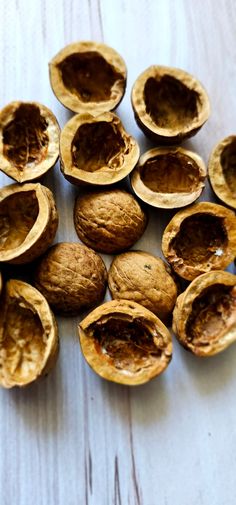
{"x": 222, "y": 170}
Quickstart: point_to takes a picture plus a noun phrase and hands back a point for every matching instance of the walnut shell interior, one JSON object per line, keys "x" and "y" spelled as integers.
{"x": 28, "y": 335}
{"x": 222, "y": 170}
{"x": 124, "y": 342}
{"x": 169, "y": 177}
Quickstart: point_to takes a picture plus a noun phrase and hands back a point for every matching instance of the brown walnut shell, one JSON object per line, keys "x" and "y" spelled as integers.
{"x": 199, "y": 239}
{"x": 29, "y": 140}
{"x": 204, "y": 318}
{"x": 169, "y": 177}
{"x": 28, "y": 335}
{"x": 109, "y": 221}
{"x": 124, "y": 342}
{"x": 88, "y": 77}
{"x": 97, "y": 150}
{"x": 169, "y": 104}
{"x": 28, "y": 222}
{"x": 222, "y": 170}
{"x": 145, "y": 279}
{"x": 72, "y": 278}
{"x": 0, "y": 283}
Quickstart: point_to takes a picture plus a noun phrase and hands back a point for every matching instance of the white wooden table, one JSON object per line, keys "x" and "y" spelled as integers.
{"x": 75, "y": 439}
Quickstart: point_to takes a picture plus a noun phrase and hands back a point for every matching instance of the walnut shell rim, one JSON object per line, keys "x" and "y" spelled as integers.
{"x": 47, "y": 150}
{"x": 128, "y": 151}
{"x": 222, "y": 184}
{"x": 184, "y": 307}
{"x": 126, "y": 312}
{"x": 72, "y": 101}
{"x": 188, "y": 83}
{"x": 164, "y": 199}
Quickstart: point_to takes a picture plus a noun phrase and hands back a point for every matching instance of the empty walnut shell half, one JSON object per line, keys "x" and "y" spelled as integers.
{"x": 222, "y": 170}
{"x": 125, "y": 342}
{"x": 109, "y": 221}
{"x": 72, "y": 278}
{"x": 199, "y": 239}
{"x": 29, "y": 140}
{"x": 145, "y": 279}
{"x": 169, "y": 104}
{"x": 204, "y": 319}
{"x": 28, "y": 222}
{"x": 28, "y": 335}
{"x": 169, "y": 177}
{"x": 88, "y": 77}
{"x": 97, "y": 150}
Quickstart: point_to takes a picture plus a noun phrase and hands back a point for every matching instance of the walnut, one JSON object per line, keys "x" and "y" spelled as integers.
{"x": 88, "y": 77}
{"x": 97, "y": 150}
{"x": 0, "y": 283}
{"x": 72, "y": 278}
{"x": 125, "y": 342}
{"x": 169, "y": 104}
{"x": 222, "y": 170}
{"x": 109, "y": 221}
{"x": 169, "y": 177}
{"x": 29, "y": 140}
{"x": 144, "y": 278}
{"x": 28, "y": 335}
{"x": 199, "y": 239}
{"x": 204, "y": 318}
{"x": 28, "y": 222}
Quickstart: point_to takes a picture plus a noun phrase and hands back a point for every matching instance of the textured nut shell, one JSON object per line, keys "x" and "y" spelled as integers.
{"x": 43, "y": 231}
{"x": 219, "y": 182}
{"x": 23, "y": 297}
{"x": 143, "y": 278}
{"x": 170, "y": 134}
{"x": 109, "y": 221}
{"x": 72, "y": 278}
{"x": 183, "y": 310}
{"x": 106, "y": 174}
{"x": 32, "y": 171}
{"x": 127, "y": 311}
{"x": 168, "y": 200}
{"x": 72, "y": 101}
{"x": 215, "y": 262}
{"x": 0, "y": 283}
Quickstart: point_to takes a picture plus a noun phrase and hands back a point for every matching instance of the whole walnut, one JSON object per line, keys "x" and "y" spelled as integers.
{"x": 72, "y": 278}
{"x": 109, "y": 221}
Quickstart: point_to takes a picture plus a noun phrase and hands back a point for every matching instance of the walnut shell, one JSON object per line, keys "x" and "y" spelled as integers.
{"x": 169, "y": 104}
{"x": 29, "y": 140}
{"x": 0, "y": 283}
{"x": 125, "y": 343}
{"x": 204, "y": 318}
{"x": 72, "y": 278}
{"x": 28, "y": 335}
{"x": 199, "y": 239}
{"x": 222, "y": 173}
{"x": 28, "y": 222}
{"x": 88, "y": 77}
{"x": 145, "y": 279}
{"x": 169, "y": 177}
{"x": 109, "y": 221}
{"x": 97, "y": 150}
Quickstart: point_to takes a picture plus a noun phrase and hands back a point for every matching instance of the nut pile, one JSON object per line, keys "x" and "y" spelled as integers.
{"x": 125, "y": 340}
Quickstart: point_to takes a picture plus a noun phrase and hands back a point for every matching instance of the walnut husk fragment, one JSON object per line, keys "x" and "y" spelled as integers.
{"x": 109, "y": 221}
{"x": 199, "y": 239}
{"x": 28, "y": 222}
{"x": 204, "y": 318}
{"x": 169, "y": 177}
{"x": 97, "y": 149}
{"x": 169, "y": 104}
{"x": 124, "y": 342}
{"x": 222, "y": 170}
{"x": 88, "y": 77}
{"x": 145, "y": 279}
{"x": 29, "y": 140}
{"x": 28, "y": 335}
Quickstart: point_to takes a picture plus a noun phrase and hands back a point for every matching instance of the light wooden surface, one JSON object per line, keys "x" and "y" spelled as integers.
{"x": 75, "y": 439}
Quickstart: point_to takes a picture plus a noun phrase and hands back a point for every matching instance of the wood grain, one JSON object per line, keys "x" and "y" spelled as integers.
{"x": 74, "y": 438}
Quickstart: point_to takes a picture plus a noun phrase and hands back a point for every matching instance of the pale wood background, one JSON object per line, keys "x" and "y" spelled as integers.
{"x": 76, "y": 439}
